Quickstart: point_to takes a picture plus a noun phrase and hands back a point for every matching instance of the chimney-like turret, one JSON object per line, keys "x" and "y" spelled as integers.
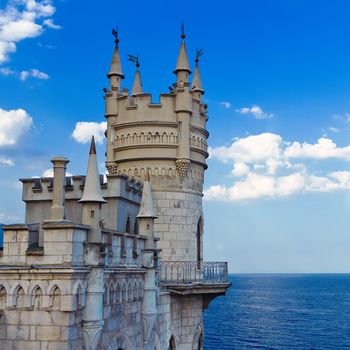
{"x": 92, "y": 197}
{"x": 58, "y": 193}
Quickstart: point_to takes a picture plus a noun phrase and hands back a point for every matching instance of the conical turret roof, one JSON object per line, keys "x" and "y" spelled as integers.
{"x": 197, "y": 82}
{"x": 182, "y": 59}
{"x": 137, "y": 87}
{"x": 116, "y": 67}
{"x": 146, "y": 205}
{"x": 92, "y": 189}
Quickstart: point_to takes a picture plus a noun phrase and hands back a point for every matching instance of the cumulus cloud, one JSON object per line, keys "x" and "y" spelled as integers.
{"x": 268, "y": 166}
{"x": 22, "y": 19}
{"x": 324, "y": 148}
{"x": 4, "y": 161}
{"x": 255, "y": 111}
{"x": 84, "y": 130}
{"x": 226, "y": 104}
{"x": 34, "y": 73}
{"x": 13, "y": 124}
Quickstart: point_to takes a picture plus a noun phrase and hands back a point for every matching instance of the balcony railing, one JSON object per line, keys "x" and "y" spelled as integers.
{"x": 190, "y": 272}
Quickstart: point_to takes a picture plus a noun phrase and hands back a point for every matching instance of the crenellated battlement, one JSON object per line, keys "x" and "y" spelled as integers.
{"x": 115, "y": 186}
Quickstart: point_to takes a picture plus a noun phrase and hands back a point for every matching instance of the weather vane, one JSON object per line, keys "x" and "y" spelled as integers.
{"x": 199, "y": 53}
{"x": 134, "y": 59}
{"x": 115, "y": 34}
{"x": 183, "y": 35}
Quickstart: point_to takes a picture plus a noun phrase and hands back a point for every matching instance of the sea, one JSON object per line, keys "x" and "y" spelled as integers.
{"x": 281, "y": 311}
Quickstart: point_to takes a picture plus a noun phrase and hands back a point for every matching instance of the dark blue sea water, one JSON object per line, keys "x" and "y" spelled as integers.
{"x": 301, "y": 311}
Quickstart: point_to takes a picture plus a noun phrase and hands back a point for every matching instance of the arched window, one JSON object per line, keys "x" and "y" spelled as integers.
{"x": 79, "y": 297}
{"x": 2, "y": 297}
{"x": 172, "y": 344}
{"x": 199, "y": 237}
{"x": 20, "y": 297}
{"x": 128, "y": 225}
{"x": 56, "y": 299}
{"x": 200, "y": 342}
{"x": 37, "y": 298}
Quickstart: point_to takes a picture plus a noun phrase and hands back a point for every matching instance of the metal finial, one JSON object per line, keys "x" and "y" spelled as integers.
{"x": 199, "y": 53}
{"x": 183, "y": 35}
{"x": 134, "y": 59}
{"x": 115, "y": 34}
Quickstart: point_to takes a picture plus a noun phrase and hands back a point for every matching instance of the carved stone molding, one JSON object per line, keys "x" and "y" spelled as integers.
{"x": 112, "y": 167}
{"x": 182, "y": 167}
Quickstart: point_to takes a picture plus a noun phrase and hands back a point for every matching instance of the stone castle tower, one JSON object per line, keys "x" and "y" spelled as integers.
{"x": 117, "y": 264}
{"x": 169, "y": 139}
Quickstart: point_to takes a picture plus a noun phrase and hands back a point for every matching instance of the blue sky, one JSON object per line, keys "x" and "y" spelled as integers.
{"x": 277, "y": 81}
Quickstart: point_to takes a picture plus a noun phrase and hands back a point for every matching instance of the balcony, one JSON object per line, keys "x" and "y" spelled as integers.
{"x": 191, "y": 277}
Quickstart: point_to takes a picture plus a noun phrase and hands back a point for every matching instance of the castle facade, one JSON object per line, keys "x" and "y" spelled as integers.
{"x": 118, "y": 263}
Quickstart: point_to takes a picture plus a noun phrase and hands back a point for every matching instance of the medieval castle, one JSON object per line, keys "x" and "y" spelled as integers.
{"x": 118, "y": 264}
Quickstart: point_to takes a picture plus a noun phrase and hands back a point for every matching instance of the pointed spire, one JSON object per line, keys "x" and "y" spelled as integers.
{"x": 146, "y": 205}
{"x": 182, "y": 60}
{"x": 92, "y": 189}
{"x": 116, "y": 68}
{"x": 196, "y": 82}
{"x": 137, "y": 88}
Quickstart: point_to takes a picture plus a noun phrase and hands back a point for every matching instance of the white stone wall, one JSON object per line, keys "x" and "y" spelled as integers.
{"x": 176, "y": 225}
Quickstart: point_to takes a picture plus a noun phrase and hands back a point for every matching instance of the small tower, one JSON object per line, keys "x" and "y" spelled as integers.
{"x": 197, "y": 88}
{"x": 115, "y": 73}
{"x": 169, "y": 139}
{"x": 137, "y": 86}
{"x": 146, "y": 218}
{"x": 92, "y": 197}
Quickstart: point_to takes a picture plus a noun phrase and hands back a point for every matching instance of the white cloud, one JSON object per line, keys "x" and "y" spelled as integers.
{"x": 323, "y": 149}
{"x": 6, "y": 161}
{"x": 49, "y": 23}
{"x": 20, "y": 20}
{"x": 256, "y": 111}
{"x": 333, "y": 129}
{"x": 342, "y": 117}
{"x": 13, "y": 124}
{"x": 240, "y": 169}
{"x": 35, "y": 73}
{"x": 266, "y": 167}
{"x": 84, "y": 130}
{"x": 226, "y": 104}
{"x": 5, "y": 218}
{"x": 7, "y": 71}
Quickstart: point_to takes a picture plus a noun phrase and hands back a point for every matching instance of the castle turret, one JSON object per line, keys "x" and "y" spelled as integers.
{"x": 183, "y": 109}
{"x": 59, "y": 169}
{"x": 115, "y": 73}
{"x": 197, "y": 82}
{"x": 146, "y": 218}
{"x": 137, "y": 87}
{"x": 92, "y": 197}
{"x": 169, "y": 139}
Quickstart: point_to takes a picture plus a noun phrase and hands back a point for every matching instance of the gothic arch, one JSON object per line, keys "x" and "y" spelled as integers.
{"x": 130, "y": 294}
{"x": 3, "y": 297}
{"x": 172, "y": 343}
{"x": 198, "y": 337}
{"x": 35, "y": 285}
{"x": 79, "y": 293}
{"x": 19, "y": 297}
{"x": 54, "y": 284}
{"x": 36, "y": 297}
{"x": 6, "y": 286}
{"x": 135, "y": 291}
{"x": 121, "y": 341}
